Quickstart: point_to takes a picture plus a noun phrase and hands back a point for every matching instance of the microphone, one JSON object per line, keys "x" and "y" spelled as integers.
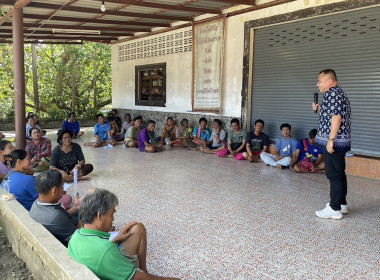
{"x": 316, "y": 101}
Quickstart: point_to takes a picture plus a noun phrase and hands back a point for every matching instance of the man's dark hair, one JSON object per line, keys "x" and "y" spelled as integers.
{"x": 29, "y": 114}
{"x": 48, "y": 179}
{"x": 15, "y": 155}
{"x": 150, "y": 122}
{"x": 99, "y": 115}
{"x": 313, "y": 133}
{"x": 202, "y": 120}
{"x": 61, "y": 133}
{"x": 114, "y": 110}
{"x": 235, "y": 120}
{"x": 285, "y": 125}
{"x": 98, "y": 201}
{"x": 170, "y": 118}
{"x": 72, "y": 113}
{"x": 218, "y": 122}
{"x": 329, "y": 72}
{"x": 29, "y": 117}
{"x": 127, "y": 114}
{"x": 31, "y": 130}
{"x": 259, "y": 121}
{"x": 137, "y": 118}
{"x": 3, "y": 144}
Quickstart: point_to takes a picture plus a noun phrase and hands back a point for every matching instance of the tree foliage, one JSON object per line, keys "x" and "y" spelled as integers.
{"x": 66, "y": 74}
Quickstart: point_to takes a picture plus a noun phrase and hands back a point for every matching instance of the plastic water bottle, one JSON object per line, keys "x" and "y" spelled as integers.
{"x": 167, "y": 141}
{"x": 75, "y": 176}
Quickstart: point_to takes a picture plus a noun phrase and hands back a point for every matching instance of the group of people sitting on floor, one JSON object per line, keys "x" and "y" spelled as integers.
{"x": 301, "y": 156}
{"x": 84, "y": 225}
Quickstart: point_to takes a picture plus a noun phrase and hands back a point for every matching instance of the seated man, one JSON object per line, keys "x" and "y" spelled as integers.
{"x": 102, "y": 133}
{"x": 201, "y": 135}
{"x": 218, "y": 139}
{"x": 72, "y": 125}
{"x": 257, "y": 142}
{"x": 29, "y": 125}
{"x": 308, "y": 158}
{"x": 48, "y": 211}
{"x": 285, "y": 147}
{"x": 146, "y": 140}
{"x": 237, "y": 139}
{"x": 130, "y": 138}
{"x": 122, "y": 258}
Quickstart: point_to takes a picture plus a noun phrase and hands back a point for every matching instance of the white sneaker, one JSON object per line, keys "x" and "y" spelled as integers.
{"x": 329, "y": 213}
{"x": 343, "y": 208}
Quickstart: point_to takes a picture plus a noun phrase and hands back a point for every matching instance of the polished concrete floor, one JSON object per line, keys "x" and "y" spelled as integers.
{"x": 217, "y": 218}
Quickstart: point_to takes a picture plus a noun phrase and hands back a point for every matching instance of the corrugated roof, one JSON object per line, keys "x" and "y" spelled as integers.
{"x": 122, "y": 17}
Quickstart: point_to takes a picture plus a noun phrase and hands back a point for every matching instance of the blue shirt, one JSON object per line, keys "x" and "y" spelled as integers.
{"x": 310, "y": 152}
{"x": 285, "y": 147}
{"x": 335, "y": 102}
{"x": 205, "y": 135}
{"x": 71, "y": 126}
{"x": 23, "y": 187}
{"x": 102, "y": 130}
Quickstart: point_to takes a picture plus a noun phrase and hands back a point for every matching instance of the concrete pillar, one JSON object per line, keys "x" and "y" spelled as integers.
{"x": 19, "y": 76}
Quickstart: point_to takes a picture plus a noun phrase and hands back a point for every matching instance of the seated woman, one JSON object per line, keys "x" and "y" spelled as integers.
{"x": 182, "y": 134}
{"x": 21, "y": 183}
{"x": 127, "y": 124}
{"x": 169, "y": 132}
{"x": 68, "y": 156}
{"x": 115, "y": 135}
{"x": 39, "y": 150}
{"x": 6, "y": 148}
{"x": 201, "y": 135}
{"x": 237, "y": 139}
{"x": 218, "y": 139}
{"x": 146, "y": 139}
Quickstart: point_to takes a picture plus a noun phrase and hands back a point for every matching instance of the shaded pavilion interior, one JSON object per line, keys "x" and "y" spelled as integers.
{"x": 76, "y": 21}
{"x": 252, "y": 222}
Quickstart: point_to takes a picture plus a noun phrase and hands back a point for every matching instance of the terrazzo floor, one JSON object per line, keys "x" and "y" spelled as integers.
{"x": 217, "y": 218}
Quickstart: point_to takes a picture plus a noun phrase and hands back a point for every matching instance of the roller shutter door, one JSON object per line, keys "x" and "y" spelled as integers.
{"x": 288, "y": 57}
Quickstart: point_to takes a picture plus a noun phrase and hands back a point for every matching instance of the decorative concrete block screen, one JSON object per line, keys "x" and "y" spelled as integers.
{"x": 167, "y": 43}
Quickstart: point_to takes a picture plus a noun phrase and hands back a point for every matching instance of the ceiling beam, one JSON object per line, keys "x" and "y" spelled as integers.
{"x": 259, "y": 7}
{"x": 165, "y": 6}
{"x": 92, "y": 20}
{"x": 242, "y": 2}
{"x": 61, "y": 26}
{"x": 38, "y": 37}
{"x": 18, "y": 5}
{"x": 49, "y": 32}
{"x": 108, "y": 12}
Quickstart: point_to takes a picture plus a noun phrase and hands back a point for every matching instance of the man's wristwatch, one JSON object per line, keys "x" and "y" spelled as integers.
{"x": 331, "y": 139}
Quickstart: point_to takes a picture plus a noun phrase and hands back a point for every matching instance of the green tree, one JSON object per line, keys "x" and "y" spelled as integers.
{"x": 69, "y": 77}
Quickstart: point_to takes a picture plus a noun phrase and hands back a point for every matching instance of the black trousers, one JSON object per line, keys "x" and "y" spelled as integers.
{"x": 335, "y": 165}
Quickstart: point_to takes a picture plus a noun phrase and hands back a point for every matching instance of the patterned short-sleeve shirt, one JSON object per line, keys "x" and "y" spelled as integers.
{"x": 335, "y": 102}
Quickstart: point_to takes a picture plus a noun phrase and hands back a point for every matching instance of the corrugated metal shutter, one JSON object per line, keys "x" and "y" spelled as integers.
{"x": 286, "y": 62}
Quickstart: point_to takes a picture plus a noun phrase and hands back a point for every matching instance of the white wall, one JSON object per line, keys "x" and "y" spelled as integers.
{"x": 179, "y": 66}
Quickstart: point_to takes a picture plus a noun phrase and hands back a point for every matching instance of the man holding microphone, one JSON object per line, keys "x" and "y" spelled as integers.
{"x": 334, "y": 137}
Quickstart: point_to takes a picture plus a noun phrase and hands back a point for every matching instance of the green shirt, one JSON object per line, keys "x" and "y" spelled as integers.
{"x": 93, "y": 249}
{"x": 237, "y": 138}
{"x": 132, "y": 133}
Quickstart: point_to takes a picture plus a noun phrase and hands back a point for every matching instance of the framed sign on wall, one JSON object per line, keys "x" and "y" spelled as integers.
{"x": 208, "y": 48}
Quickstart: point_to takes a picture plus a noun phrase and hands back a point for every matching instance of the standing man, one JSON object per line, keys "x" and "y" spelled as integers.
{"x": 334, "y": 137}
